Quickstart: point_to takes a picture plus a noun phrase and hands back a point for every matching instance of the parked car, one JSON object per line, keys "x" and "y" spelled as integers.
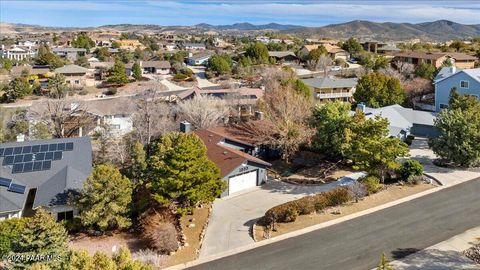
{"x": 336, "y": 68}
{"x": 352, "y": 61}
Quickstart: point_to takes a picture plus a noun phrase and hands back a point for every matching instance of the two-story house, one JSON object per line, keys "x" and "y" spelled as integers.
{"x": 465, "y": 81}
{"x": 331, "y": 89}
{"x": 459, "y": 60}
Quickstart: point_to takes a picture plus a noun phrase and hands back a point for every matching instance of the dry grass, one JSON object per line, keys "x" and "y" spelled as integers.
{"x": 391, "y": 193}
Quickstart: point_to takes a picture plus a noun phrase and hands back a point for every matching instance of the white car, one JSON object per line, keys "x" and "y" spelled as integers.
{"x": 336, "y": 68}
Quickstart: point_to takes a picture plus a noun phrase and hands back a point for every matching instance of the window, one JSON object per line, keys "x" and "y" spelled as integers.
{"x": 64, "y": 215}
{"x": 77, "y": 82}
{"x": 464, "y": 84}
{"x": 443, "y": 106}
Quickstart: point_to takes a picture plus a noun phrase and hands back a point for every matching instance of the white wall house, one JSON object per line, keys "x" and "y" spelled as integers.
{"x": 17, "y": 52}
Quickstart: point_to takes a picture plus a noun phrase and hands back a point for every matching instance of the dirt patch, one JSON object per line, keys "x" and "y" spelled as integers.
{"x": 390, "y": 193}
{"x": 190, "y": 252}
{"x": 106, "y": 243}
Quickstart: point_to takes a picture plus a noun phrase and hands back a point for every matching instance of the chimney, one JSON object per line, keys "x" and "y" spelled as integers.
{"x": 453, "y": 68}
{"x": 185, "y": 127}
{"x": 361, "y": 107}
{"x": 20, "y": 137}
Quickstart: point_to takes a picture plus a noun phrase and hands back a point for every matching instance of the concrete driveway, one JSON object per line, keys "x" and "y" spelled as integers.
{"x": 201, "y": 79}
{"x": 233, "y": 216}
{"x": 420, "y": 151}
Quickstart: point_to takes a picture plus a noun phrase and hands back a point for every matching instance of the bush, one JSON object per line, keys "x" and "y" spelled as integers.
{"x": 357, "y": 190}
{"x": 111, "y": 91}
{"x": 10, "y": 230}
{"x": 73, "y": 225}
{"x": 320, "y": 202}
{"x": 291, "y": 213}
{"x": 159, "y": 231}
{"x": 305, "y": 205}
{"x": 180, "y": 76}
{"x": 409, "y": 139}
{"x": 372, "y": 184}
{"x": 337, "y": 196}
{"x": 83, "y": 92}
{"x": 415, "y": 180}
{"x": 410, "y": 168}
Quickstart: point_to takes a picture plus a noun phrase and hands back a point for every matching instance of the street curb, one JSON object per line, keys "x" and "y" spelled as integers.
{"x": 312, "y": 228}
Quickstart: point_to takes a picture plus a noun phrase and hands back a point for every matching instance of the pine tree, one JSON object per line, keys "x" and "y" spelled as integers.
{"x": 104, "y": 201}
{"x": 118, "y": 73}
{"x": 42, "y": 235}
{"x": 137, "y": 71}
{"x": 181, "y": 172}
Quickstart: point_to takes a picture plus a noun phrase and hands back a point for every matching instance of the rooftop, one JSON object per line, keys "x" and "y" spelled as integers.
{"x": 327, "y": 82}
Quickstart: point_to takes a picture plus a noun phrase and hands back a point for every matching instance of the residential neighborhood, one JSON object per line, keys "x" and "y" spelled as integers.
{"x": 239, "y": 135}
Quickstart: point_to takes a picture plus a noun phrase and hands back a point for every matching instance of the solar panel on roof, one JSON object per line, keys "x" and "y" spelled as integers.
{"x": 35, "y": 148}
{"x": 57, "y": 155}
{"x": 8, "y": 160}
{"x": 17, "y": 188}
{"x": 37, "y": 166}
{"x": 40, "y": 156}
{"x": 1, "y": 151}
{"x": 5, "y": 182}
{"x": 61, "y": 147}
{"x": 47, "y": 165}
{"x": 17, "y": 150}
{"x": 44, "y": 148}
{"x": 27, "y": 149}
{"x": 49, "y": 156}
{"x": 52, "y": 147}
{"x": 69, "y": 146}
{"x": 27, "y": 157}
{"x": 28, "y": 167}
{"x": 18, "y": 159}
{"x": 17, "y": 168}
{"x": 8, "y": 151}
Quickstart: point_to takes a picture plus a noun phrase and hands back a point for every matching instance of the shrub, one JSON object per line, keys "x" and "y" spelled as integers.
{"x": 73, "y": 225}
{"x": 180, "y": 76}
{"x": 305, "y": 205}
{"x": 357, "y": 190}
{"x": 159, "y": 231}
{"x": 372, "y": 184}
{"x": 337, "y": 196}
{"x": 415, "y": 180}
{"x": 111, "y": 91}
{"x": 409, "y": 139}
{"x": 320, "y": 202}
{"x": 410, "y": 168}
{"x": 291, "y": 213}
{"x": 10, "y": 230}
{"x": 83, "y": 92}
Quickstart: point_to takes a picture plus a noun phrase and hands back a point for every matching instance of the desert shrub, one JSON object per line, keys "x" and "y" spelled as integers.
{"x": 357, "y": 190}
{"x": 150, "y": 257}
{"x": 305, "y": 205}
{"x": 473, "y": 253}
{"x": 111, "y": 91}
{"x": 286, "y": 212}
{"x": 320, "y": 202}
{"x": 159, "y": 232}
{"x": 290, "y": 214}
{"x": 83, "y": 92}
{"x": 180, "y": 76}
{"x": 337, "y": 196}
{"x": 415, "y": 180}
{"x": 372, "y": 184}
{"x": 410, "y": 168}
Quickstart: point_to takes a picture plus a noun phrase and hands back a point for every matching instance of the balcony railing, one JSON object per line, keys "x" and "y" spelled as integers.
{"x": 333, "y": 95}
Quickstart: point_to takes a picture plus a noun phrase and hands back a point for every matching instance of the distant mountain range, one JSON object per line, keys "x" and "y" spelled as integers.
{"x": 433, "y": 31}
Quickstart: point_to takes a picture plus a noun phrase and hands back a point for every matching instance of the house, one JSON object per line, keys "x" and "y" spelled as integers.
{"x": 331, "y": 89}
{"x": 404, "y": 121}
{"x": 42, "y": 173}
{"x": 75, "y": 76}
{"x": 194, "y": 46}
{"x": 240, "y": 170}
{"x": 199, "y": 59}
{"x": 459, "y": 60}
{"x": 241, "y": 96}
{"x": 69, "y": 53}
{"x": 130, "y": 44}
{"x": 40, "y": 74}
{"x": 466, "y": 81}
{"x": 116, "y": 113}
{"x": 336, "y": 52}
{"x": 18, "y": 53}
{"x": 283, "y": 57}
{"x": 151, "y": 67}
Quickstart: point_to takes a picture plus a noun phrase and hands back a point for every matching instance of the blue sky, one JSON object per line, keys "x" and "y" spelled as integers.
{"x": 308, "y": 13}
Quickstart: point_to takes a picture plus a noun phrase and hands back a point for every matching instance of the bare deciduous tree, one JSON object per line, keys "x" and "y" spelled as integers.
{"x": 323, "y": 63}
{"x": 203, "y": 111}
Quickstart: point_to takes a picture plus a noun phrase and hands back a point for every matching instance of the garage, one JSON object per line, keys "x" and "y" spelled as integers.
{"x": 241, "y": 182}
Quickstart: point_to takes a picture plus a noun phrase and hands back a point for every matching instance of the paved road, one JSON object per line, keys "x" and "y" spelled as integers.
{"x": 358, "y": 243}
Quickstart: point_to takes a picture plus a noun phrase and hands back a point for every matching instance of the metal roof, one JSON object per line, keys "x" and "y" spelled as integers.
{"x": 326, "y": 82}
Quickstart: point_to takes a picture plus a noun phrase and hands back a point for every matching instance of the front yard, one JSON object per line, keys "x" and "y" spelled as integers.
{"x": 390, "y": 193}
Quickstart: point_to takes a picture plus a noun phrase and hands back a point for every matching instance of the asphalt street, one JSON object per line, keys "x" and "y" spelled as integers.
{"x": 358, "y": 243}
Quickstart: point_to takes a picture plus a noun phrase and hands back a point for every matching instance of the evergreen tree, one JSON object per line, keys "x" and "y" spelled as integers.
{"x": 42, "y": 235}
{"x": 16, "y": 89}
{"x": 378, "y": 90}
{"x": 459, "y": 127}
{"x": 57, "y": 86}
{"x": 352, "y": 46}
{"x": 10, "y": 231}
{"x": 426, "y": 71}
{"x": 258, "y": 53}
{"x": 118, "y": 73}
{"x": 137, "y": 71}
{"x": 181, "y": 172}
{"x": 105, "y": 198}
{"x": 83, "y": 41}
{"x": 220, "y": 64}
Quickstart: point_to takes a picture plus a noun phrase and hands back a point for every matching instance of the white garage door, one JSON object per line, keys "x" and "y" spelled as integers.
{"x": 241, "y": 182}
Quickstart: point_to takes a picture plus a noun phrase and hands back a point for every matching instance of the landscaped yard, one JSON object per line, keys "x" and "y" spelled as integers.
{"x": 113, "y": 241}
{"x": 390, "y": 193}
